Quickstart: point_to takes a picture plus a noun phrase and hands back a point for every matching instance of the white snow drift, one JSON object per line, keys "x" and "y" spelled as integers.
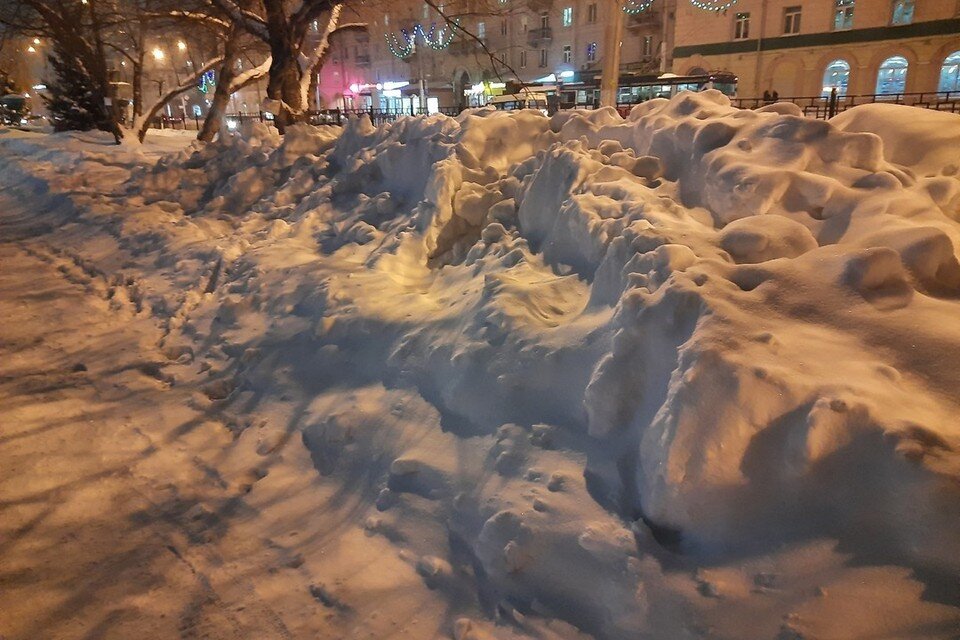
{"x": 589, "y": 374}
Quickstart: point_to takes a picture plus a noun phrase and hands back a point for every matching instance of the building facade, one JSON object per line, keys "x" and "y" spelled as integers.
{"x": 809, "y": 47}
{"x": 409, "y": 48}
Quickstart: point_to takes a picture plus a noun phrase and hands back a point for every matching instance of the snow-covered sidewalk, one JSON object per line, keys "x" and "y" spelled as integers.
{"x": 118, "y": 519}
{"x": 685, "y": 375}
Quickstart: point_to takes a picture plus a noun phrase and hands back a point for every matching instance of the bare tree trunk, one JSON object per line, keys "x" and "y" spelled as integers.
{"x": 138, "y": 77}
{"x": 284, "y": 29}
{"x": 218, "y": 107}
{"x": 138, "y": 89}
{"x": 284, "y": 86}
{"x": 101, "y": 76}
{"x": 142, "y": 125}
{"x": 221, "y": 96}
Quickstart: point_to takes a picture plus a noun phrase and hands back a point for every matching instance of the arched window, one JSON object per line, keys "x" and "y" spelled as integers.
{"x": 950, "y": 73}
{"x": 902, "y": 12}
{"x": 892, "y": 76}
{"x": 836, "y": 76}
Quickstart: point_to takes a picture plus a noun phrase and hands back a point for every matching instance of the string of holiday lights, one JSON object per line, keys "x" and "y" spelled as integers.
{"x": 208, "y": 81}
{"x": 633, "y": 7}
{"x": 436, "y": 39}
{"x": 713, "y": 5}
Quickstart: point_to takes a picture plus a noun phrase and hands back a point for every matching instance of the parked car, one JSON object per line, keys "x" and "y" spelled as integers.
{"x": 14, "y": 109}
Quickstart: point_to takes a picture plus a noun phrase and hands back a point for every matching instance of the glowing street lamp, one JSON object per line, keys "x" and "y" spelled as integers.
{"x": 181, "y": 45}
{"x": 31, "y": 49}
{"x": 158, "y": 54}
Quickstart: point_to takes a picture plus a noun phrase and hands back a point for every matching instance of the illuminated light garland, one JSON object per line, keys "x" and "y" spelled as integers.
{"x": 208, "y": 81}
{"x": 436, "y": 39}
{"x": 633, "y": 7}
{"x": 713, "y": 5}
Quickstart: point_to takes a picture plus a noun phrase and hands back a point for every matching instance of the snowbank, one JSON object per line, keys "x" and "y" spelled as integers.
{"x": 559, "y": 351}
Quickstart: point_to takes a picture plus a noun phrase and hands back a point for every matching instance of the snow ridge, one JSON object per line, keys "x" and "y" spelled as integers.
{"x": 600, "y": 373}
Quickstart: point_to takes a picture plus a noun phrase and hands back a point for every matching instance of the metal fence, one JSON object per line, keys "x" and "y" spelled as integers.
{"x": 183, "y": 124}
{"x": 822, "y": 107}
{"x": 377, "y": 116}
{"x": 337, "y": 116}
{"x": 825, "y": 107}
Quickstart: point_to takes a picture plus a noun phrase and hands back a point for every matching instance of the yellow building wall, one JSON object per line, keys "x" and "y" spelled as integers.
{"x": 798, "y": 71}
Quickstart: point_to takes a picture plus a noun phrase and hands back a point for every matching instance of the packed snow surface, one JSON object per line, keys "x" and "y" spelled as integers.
{"x": 688, "y": 374}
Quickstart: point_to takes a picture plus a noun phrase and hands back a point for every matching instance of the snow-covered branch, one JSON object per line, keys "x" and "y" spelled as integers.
{"x": 248, "y": 76}
{"x": 247, "y": 19}
{"x": 308, "y": 62}
{"x": 193, "y": 16}
{"x": 142, "y": 123}
{"x": 122, "y": 51}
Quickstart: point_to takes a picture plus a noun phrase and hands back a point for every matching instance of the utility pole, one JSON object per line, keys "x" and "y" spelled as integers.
{"x": 423, "y": 82}
{"x": 612, "y": 36}
{"x": 664, "y": 30}
{"x": 758, "y": 70}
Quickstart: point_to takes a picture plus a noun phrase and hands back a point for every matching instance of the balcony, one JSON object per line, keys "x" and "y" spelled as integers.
{"x": 466, "y": 46}
{"x": 538, "y": 37}
{"x": 536, "y": 6}
{"x": 643, "y": 20}
{"x": 644, "y": 65}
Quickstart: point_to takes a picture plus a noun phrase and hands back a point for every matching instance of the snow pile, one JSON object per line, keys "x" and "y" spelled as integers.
{"x": 594, "y": 374}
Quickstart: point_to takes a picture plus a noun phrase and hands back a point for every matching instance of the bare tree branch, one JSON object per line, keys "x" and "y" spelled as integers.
{"x": 143, "y": 123}
{"x": 249, "y": 20}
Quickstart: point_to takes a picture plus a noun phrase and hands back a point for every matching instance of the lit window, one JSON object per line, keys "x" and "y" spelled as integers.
{"x": 647, "y": 45}
{"x": 836, "y": 76}
{"x": 592, "y": 13}
{"x": 567, "y": 16}
{"x": 843, "y": 15}
{"x": 543, "y": 57}
{"x": 481, "y": 30}
{"x": 567, "y": 53}
{"x": 892, "y": 75}
{"x": 741, "y": 26}
{"x": 791, "y": 20}
{"x": 592, "y": 52}
{"x": 950, "y": 73}
{"x": 902, "y": 12}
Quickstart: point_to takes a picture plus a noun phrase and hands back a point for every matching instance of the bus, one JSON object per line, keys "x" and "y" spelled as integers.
{"x": 636, "y": 88}
{"x": 524, "y": 100}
